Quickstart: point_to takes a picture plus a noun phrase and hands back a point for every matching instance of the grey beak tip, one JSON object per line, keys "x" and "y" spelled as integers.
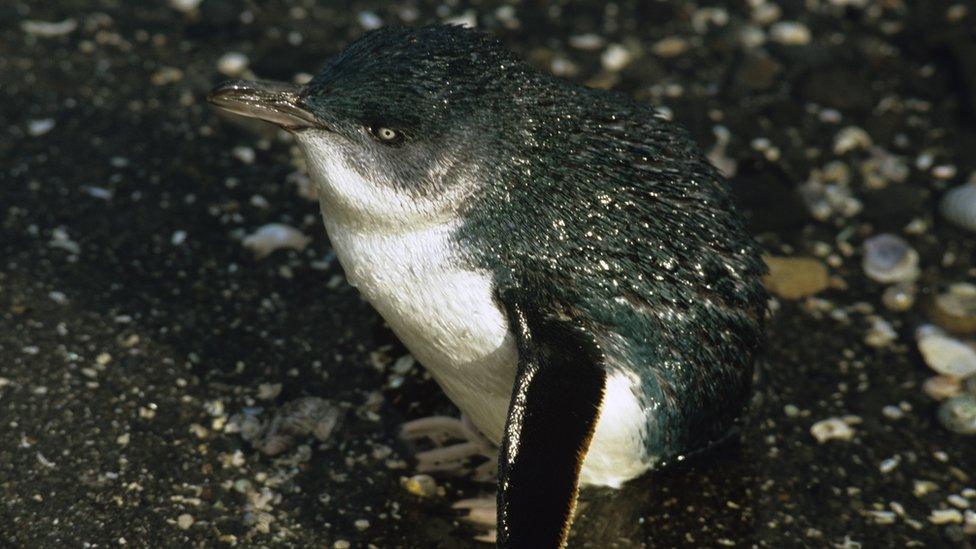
{"x": 225, "y": 89}
{"x": 275, "y": 102}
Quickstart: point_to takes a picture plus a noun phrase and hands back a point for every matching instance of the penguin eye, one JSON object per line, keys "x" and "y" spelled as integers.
{"x": 385, "y": 135}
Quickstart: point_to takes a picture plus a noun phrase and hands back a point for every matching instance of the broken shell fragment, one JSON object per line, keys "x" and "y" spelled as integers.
{"x": 833, "y": 428}
{"x": 273, "y": 236}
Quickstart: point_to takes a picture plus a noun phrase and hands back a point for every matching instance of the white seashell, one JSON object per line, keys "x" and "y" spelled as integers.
{"x": 888, "y": 259}
{"x": 273, "y": 236}
{"x": 944, "y": 354}
{"x": 959, "y": 206}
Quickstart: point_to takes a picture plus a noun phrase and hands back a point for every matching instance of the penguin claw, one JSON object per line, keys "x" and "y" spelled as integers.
{"x": 482, "y": 515}
{"x": 479, "y": 513}
{"x": 451, "y": 458}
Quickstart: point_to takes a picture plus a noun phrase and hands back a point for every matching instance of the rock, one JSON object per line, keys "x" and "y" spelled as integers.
{"x": 795, "y": 277}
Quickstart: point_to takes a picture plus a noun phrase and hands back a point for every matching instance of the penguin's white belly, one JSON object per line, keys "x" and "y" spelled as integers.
{"x": 448, "y": 318}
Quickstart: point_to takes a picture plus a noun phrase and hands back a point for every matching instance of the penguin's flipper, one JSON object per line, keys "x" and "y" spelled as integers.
{"x": 555, "y": 405}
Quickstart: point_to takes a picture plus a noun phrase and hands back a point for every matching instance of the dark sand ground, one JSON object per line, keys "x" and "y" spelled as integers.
{"x": 133, "y": 322}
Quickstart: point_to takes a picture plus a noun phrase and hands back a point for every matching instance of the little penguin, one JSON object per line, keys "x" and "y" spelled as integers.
{"x": 563, "y": 260}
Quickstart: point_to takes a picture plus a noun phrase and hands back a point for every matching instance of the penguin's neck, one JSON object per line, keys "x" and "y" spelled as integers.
{"x": 443, "y": 311}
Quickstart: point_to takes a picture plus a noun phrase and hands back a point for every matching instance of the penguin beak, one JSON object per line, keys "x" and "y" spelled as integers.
{"x": 275, "y": 102}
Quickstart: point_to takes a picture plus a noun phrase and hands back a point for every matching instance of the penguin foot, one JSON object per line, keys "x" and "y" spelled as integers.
{"x": 452, "y": 458}
{"x": 481, "y": 514}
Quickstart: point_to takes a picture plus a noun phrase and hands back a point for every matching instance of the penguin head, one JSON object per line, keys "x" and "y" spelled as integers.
{"x": 398, "y": 127}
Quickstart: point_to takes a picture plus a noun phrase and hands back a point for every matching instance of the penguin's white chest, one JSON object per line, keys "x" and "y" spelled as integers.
{"x": 446, "y": 315}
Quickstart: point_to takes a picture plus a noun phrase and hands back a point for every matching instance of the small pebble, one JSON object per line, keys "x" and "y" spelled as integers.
{"x": 764, "y": 13}
{"x": 921, "y": 488}
{"x": 851, "y": 138}
{"x": 958, "y": 501}
{"x": 588, "y": 41}
{"x": 942, "y": 387}
{"x": 944, "y": 171}
{"x": 881, "y": 334}
{"x": 184, "y": 6}
{"x": 958, "y": 414}
{"x": 889, "y": 465}
{"x": 244, "y": 154}
{"x": 274, "y": 236}
{"x": 795, "y": 277}
{"x": 233, "y": 63}
{"x": 833, "y": 428}
{"x": 361, "y": 524}
{"x": 185, "y": 521}
{"x": 790, "y": 33}
{"x": 420, "y": 485}
{"x": 671, "y": 46}
{"x": 615, "y": 57}
{"x": 945, "y": 354}
{"x": 892, "y": 412}
{"x": 39, "y": 127}
{"x": 955, "y": 308}
{"x": 959, "y": 206}
{"x": 369, "y": 20}
{"x": 945, "y": 516}
{"x": 717, "y": 155}
{"x": 269, "y": 391}
{"x": 47, "y": 29}
{"x": 899, "y": 297}
{"x": 888, "y": 259}
{"x": 468, "y": 19}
